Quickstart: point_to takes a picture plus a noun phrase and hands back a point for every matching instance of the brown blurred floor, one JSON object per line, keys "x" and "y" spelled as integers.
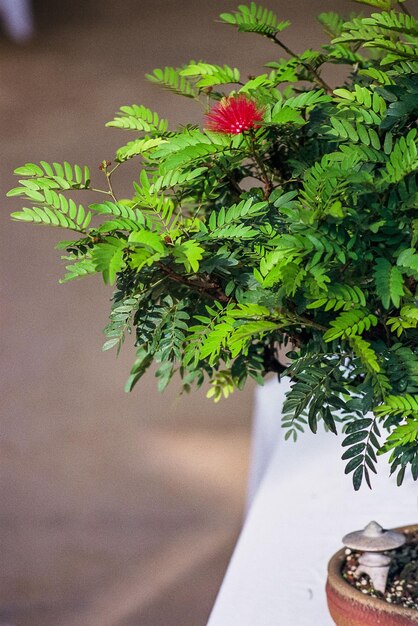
{"x": 115, "y": 510}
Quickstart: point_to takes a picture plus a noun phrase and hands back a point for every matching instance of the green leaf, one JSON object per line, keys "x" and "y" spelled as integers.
{"x": 349, "y": 323}
{"x": 142, "y": 363}
{"x": 138, "y": 118}
{"x": 354, "y": 451}
{"x": 48, "y": 217}
{"x": 354, "y": 438}
{"x": 402, "y": 435}
{"x": 385, "y": 5}
{"x": 171, "y": 79}
{"x": 355, "y": 462}
{"x": 286, "y": 115}
{"x": 108, "y": 258}
{"x": 389, "y": 283}
{"x": 190, "y": 253}
{"x": 79, "y": 269}
{"x": 209, "y": 75}
{"x": 408, "y": 260}
{"x": 239, "y": 338}
{"x": 358, "y": 477}
{"x": 137, "y": 147}
{"x": 366, "y": 354}
{"x": 149, "y": 239}
{"x": 404, "y": 406}
{"x": 403, "y": 159}
{"x": 64, "y": 176}
{"x": 253, "y": 18}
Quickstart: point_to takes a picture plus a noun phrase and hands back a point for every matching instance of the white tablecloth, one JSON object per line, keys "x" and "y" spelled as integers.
{"x": 302, "y": 508}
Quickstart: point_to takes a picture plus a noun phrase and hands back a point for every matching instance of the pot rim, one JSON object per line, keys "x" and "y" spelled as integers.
{"x": 343, "y": 588}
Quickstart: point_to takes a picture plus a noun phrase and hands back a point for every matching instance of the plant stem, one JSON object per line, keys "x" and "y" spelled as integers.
{"x": 268, "y": 185}
{"x": 317, "y": 77}
{"x": 210, "y": 290}
{"x": 115, "y": 168}
{"x": 305, "y": 321}
{"x": 108, "y": 173}
{"x": 109, "y": 182}
{"x": 107, "y": 193}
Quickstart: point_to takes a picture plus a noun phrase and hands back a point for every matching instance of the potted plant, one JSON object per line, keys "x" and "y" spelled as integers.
{"x": 287, "y": 217}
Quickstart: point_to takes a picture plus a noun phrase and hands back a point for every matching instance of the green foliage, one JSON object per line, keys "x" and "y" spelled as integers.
{"x": 332, "y": 23}
{"x": 79, "y": 269}
{"x": 208, "y": 75}
{"x": 138, "y": 118}
{"x": 408, "y": 318}
{"x": 48, "y": 217}
{"x": 44, "y": 175}
{"x": 120, "y": 322}
{"x": 362, "y": 444}
{"x": 366, "y": 354}
{"x": 340, "y": 297}
{"x": 378, "y": 4}
{"x": 403, "y": 158}
{"x": 301, "y": 230}
{"x": 405, "y": 406}
{"x": 375, "y": 32}
{"x": 231, "y": 224}
{"x": 137, "y": 147}
{"x": 350, "y": 323}
{"x": 108, "y": 258}
{"x": 255, "y": 19}
{"x": 222, "y": 385}
{"x": 173, "y": 80}
{"x": 403, "y": 365}
{"x": 389, "y": 283}
{"x": 316, "y": 394}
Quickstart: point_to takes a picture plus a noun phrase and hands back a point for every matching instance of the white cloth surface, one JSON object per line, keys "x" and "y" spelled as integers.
{"x": 303, "y": 507}
{"x": 17, "y": 18}
{"x": 265, "y": 435}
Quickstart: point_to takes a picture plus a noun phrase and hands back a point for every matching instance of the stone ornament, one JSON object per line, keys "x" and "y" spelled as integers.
{"x": 373, "y": 540}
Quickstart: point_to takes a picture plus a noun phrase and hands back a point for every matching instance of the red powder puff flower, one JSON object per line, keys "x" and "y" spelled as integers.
{"x": 234, "y": 115}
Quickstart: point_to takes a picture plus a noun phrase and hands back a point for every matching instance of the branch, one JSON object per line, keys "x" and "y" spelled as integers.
{"x": 268, "y": 185}
{"x": 317, "y": 77}
{"x": 205, "y": 288}
{"x": 104, "y": 167}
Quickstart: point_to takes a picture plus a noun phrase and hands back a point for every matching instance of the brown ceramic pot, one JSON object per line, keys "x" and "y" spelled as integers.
{"x": 349, "y": 607}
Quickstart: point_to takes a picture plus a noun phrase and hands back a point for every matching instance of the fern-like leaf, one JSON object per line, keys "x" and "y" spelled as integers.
{"x": 403, "y": 159}
{"x": 170, "y": 78}
{"x": 108, "y": 258}
{"x": 340, "y": 297}
{"x": 208, "y": 75}
{"x": 65, "y": 176}
{"x": 350, "y": 323}
{"x": 253, "y": 18}
{"x": 139, "y": 118}
{"x": 79, "y": 269}
{"x": 402, "y": 406}
{"x": 389, "y": 283}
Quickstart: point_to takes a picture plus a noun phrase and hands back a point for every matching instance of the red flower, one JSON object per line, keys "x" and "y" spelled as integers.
{"x": 234, "y": 115}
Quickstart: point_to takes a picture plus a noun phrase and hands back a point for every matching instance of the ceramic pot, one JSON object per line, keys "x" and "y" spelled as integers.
{"x": 349, "y": 607}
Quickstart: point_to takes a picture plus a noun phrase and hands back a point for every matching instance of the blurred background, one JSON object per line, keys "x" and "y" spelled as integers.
{"x": 115, "y": 509}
